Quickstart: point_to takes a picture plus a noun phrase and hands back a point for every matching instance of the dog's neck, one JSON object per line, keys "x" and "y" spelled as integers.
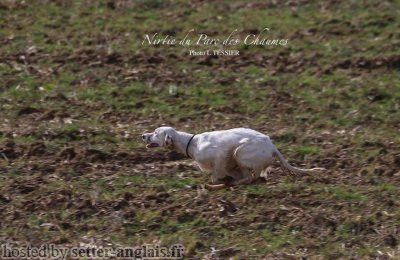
{"x": 181, "y": 141}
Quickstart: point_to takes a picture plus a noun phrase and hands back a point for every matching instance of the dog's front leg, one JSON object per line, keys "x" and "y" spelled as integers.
{"x": 219, "y": 172}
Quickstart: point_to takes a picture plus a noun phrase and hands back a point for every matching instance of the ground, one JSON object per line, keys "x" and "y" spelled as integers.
{"x": 77, "y": 89}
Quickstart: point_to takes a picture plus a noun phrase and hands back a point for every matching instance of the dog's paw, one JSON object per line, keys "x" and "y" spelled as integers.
{"x": 214, "y": 186}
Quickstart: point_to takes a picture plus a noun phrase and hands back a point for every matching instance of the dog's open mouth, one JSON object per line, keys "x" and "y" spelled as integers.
{"x": 151, "y": 145}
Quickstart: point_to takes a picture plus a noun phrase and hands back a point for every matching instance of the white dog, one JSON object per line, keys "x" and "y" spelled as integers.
{"x": 239, "y": 153}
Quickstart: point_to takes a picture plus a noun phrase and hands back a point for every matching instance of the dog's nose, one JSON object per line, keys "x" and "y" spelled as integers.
{"x": 143, "y": 137}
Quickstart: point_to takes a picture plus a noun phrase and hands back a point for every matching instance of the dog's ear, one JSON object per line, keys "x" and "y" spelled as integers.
{"x": 168, "y": 140}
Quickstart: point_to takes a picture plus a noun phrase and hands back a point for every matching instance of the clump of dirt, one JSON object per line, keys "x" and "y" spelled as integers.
{"x": 36, "y": 149}
{"x": 67, "y": 153}
{"x": 390, "y": 62}
{"x": 27, "y": 111}
{"x": 10, "y": 150}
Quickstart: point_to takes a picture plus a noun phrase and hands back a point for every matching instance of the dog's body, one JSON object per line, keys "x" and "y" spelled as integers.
{"x": 239, "y": 153}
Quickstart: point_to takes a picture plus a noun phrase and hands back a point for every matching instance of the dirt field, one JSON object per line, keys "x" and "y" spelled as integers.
{"x": 77, "y": 88}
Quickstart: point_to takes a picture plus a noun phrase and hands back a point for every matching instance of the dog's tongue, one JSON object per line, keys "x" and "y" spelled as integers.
{"x": 151, "y": 145}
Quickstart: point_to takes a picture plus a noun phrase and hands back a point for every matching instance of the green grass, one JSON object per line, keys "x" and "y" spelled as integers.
{"x": 305, "y": 150}
{"x": 346, "y": 194}
{"x": 278, "y": 241}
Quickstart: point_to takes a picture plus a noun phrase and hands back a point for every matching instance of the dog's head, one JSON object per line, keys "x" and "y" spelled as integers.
{"x": 162, "y": 136}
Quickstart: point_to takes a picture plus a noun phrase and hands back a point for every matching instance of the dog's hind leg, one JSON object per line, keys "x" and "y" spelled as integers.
{"x": 250, "y": 176}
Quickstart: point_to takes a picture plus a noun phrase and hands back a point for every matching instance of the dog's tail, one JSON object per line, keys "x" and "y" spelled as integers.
{"x": 291, "y": 169}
